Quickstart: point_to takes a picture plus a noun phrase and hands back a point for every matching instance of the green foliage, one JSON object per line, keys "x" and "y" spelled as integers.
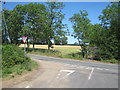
{"x": 18, "y": 69}
{"x": 55, "y": 26}
{"x": 60, "y": 40}
{"x": 108, "y": 36}
{"x": 14, "y": 62}
{"x": 13, "y": 55}
{"x": 81, "y": 25}
{"x": 104, "y": 36}
{"x": 37, "y": 21}
{"x": 12, "y": 24}
{"x": 44, "y": 52}
{"x": 57, "y": 53}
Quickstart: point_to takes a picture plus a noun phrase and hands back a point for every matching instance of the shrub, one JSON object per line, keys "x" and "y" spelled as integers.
{"x": 12, "y": 55}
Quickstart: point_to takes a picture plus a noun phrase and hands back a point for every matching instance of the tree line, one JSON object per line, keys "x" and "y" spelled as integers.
{"x": 43, "y": 22}
{"x": 104, "y": 37}
{"x": 39, "y": 22}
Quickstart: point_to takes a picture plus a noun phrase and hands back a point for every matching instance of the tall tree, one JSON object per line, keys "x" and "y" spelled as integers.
{"x": 81, "y": 25}
{"x": 55, "y": 24}
{"x": 34, "y": 22}
{"x": 110, "y": 23}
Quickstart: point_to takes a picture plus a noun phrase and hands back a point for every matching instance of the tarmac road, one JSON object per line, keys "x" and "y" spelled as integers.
{"x": 67, "y": 73}
{"x": 75, "y": 62}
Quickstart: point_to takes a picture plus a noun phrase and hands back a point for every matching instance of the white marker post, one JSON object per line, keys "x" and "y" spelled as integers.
{"x": 24, "y": 39}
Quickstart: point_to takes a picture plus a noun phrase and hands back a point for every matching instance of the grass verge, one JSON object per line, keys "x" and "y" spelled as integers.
{"x": 58, "y": 53}
{"x": 8, "y": 73}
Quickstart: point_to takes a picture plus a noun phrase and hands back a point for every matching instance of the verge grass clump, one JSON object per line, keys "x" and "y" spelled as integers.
{"x": 47, "y": 52}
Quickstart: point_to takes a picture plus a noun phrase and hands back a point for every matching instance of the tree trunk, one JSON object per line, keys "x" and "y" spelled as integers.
{"x": 33, "y": 45}
{"x": 27, "y": 44}
{"x": 48, "y": 45}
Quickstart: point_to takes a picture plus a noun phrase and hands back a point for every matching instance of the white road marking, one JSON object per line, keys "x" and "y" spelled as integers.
{"x": 106, "y": 69}
{"x": 99, "y": 68}
{"x": 90, "y": 74}
{"x": 68, "y": 73}
{"x": 27, "y": 86}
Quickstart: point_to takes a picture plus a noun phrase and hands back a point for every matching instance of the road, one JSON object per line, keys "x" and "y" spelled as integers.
{"x": 75, "y": 62}
{"x": 67, "y": 73}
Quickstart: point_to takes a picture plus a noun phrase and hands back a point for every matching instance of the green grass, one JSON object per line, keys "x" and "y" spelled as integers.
{"x": 18, "y": 69}
{"x": 46, "y": 53}
{"x": 110, "y": 61}
{"x": 68, "y": 50}
{"x": 62, "y": 53}
{"x": 72, "y": 53}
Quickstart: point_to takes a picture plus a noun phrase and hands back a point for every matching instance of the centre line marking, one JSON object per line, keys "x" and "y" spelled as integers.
{"x": 99, "y": 68}
{"x": 90, "y": 74}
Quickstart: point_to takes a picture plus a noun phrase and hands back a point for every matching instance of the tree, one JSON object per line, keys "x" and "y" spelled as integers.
{"x": 81, "y": 26}
{"x": 55, "y": 25}
{"x": 12, "y": 24}
{"x": 64, "y": 40}
{"x": 110, "y": 35}
{"x": 34, "y": 22}
{"x": 60, "y": 40}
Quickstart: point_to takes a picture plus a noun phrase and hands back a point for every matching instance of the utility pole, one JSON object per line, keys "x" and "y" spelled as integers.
{"x": 0, "y": 23}
{"x": 3, "y": 18}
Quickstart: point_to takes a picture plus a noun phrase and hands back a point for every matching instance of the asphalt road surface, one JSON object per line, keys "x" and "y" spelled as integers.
{"x": 67, "y": 73}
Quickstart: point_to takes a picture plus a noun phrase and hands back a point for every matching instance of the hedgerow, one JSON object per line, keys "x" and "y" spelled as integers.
{"x": 12, "y": 55}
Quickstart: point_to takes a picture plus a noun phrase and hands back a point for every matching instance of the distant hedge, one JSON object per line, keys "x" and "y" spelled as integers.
{"x": 12, "y": 55}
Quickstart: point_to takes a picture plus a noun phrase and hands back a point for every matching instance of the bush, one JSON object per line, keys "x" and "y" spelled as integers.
{"x": 12, "y": 55}
{"x": 14, "y": 62}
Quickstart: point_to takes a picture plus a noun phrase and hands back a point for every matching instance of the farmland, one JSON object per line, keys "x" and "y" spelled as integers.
{"x": 64, "y": 49}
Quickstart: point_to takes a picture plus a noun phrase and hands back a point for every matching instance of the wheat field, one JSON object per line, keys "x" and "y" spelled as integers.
{"x": 66, "y": 49}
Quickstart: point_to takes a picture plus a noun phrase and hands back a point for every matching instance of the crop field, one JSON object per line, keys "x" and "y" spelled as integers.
{"x": 64, "y": 49}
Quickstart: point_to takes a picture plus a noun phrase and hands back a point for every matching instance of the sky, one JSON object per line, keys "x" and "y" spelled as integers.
{"x": 94, "y": 9}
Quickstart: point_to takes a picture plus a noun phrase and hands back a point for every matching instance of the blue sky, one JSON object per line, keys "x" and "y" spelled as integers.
{"x": 94, "y": 9}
